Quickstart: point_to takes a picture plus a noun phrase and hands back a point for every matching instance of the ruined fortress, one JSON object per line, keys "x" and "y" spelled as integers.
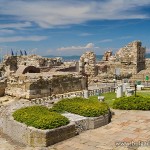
{"x": 35, "y": 76}
{"x": 125, "y": 63}
{"x": 32, "y": 76}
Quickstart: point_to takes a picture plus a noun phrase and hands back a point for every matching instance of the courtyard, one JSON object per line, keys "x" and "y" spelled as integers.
{"x": 129, "y": 129}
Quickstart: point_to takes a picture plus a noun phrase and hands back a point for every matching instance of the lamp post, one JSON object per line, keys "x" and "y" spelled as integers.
{"x": 135, "y": 86}
{"x": 114, "y": 80}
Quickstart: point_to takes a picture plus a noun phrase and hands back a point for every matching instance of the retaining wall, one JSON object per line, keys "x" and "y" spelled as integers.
{"x": 36, "y": 137}
{"x": 41, "y": 138}
{"x": 47, "y": 101}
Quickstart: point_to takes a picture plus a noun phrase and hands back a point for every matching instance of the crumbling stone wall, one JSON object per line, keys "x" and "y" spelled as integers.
{"x": 129, "y": 60}
{"x": 87, "y": 64}
{"x": 38, "y": 61}
{"x": 2, "y": 87}
{"x": 12, "y": 63}
{"x": 132, "y": 54}
{"x": 41, "y": 86}
{"x": 107, "y": 55}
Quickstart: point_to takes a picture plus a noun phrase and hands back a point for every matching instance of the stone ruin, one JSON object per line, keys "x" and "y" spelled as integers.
{"x": 132, "y": 54}
{"x": 23, "y": 72}
{"x": 12, "y": 63}
{"x": 127, "y": 61}
{"x": 107, "y": 55}
{"x": 31, "y": 85}
{"x": 87, "y": 64}
{"x": 35, "y": 76}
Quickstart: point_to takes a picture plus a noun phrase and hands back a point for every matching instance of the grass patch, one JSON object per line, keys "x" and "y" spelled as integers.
{"x": 108, "y": 98}
{"x": 81, "y": 106}
{"x": 144, "y": 94}
{"x": 40, "y": 117}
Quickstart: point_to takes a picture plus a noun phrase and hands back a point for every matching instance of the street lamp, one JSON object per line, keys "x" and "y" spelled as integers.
{"x": 114, "y": 80}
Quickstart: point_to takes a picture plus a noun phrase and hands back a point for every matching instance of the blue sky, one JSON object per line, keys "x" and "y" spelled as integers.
{"x": 71, "y": 27}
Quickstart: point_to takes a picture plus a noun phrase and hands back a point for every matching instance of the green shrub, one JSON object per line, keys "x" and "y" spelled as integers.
{"x": 81, "y": 106}
{"x": 132, "y": 103}
{"x": 39, "y": 117}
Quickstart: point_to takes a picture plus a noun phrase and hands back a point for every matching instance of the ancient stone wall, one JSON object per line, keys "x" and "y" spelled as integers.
{"x": 41, "y": 86}
{"x": 128, "y": 60}
{"x": 38, "y": 61}
{"x": 2, "y": 87}
{"x": 132, "y": 54}
{"x": 107, "y": 55}
{"x": 87, "y": 64}
{"x": 147, "y": 63}
{"x": 12, "y": 63}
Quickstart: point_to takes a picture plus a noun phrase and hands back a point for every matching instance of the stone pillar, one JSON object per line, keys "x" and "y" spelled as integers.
{"x": 86, "y": 93}
{"x": 126, "y": 86}
{"x": 119, "y": 91}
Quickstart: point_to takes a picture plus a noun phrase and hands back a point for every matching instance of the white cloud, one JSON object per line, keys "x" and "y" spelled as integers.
{"x": 21, "y": 38}
{"x": 105, "y": 41}
{"x": 85, "y": 34}
{"x": 89, "y": 46}
{"x": 15, "y": 25}
{"x": 6, "y": 31}
{"x": 48, "y": 14}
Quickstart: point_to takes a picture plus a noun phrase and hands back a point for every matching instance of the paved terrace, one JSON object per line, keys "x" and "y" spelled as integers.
{"x": 127, "y": 127}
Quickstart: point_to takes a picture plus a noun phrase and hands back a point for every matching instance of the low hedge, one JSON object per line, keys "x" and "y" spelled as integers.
{"x": 132, "y": 103}
{"x": 81, "y": 106}
{"x": 40, "y": 117}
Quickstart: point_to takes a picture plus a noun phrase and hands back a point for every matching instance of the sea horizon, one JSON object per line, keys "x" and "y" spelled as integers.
{"x": 77, "y": 57}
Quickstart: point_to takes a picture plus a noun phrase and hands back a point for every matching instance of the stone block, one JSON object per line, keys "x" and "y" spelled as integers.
{"x": 140, "y": 87}
{"x": 95, "y": 122}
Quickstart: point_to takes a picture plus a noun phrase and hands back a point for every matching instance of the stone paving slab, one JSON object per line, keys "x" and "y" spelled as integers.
{"x": 127, "y": 127}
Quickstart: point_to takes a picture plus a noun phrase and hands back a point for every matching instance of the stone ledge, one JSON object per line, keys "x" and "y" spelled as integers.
{"x": 87, "y": 123}
{"x": 95, "y": 122}
{"x": 36, "y": 137}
